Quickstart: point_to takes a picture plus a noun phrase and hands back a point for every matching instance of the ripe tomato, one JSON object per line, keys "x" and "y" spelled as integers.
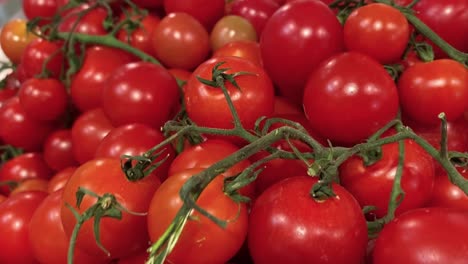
{"x": 7, "y": 93}
{"x": 15, "y": 215}
{"x": 33, "y": 184}
{"x": 39, "y": 8}
{"x": 60, "y": 179}
{"x": 257, "y": 12}
{"x": 58, "y": 150}
{"x": 212, "y": 10}
{"x": 429, "y": 236}
{"x": 14, "y": 38}
{"x": 372, "y": 185}
{"x": 213, "y": 244}
{"x": 306, "y": 33}
{"x": 140, "y": 37}
{"x": 92, "y": 22}
{"x": 427, "y": 89}
{"x": 39, "y": 52}
{"x": 231, "y": 28}
{"x": 349, "y": 97}
{"x": 140, "y": 92}
{"x": 180, "y": 33}
{"x": 120, "y": 237}
{"x": 286, "y": 225}
{"x": 377, "y": 30}
{"x": 2, "y": 198}
{"x": 88, "y": 83}
{"x": 447, "y": 194}
{"x": 285, "y": 106}
{"x": 246, "y": 49}
{"x": 254, "y": 99}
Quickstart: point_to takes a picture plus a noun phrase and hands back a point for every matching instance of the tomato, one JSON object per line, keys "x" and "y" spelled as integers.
{"x": 257, "y": 12}
{"x": 91, "y": 22}
{"x": 429, "y": 235}
{"x": 212, "y": 10}
{"x": 39, "y": 8}
{"x": 285, "y": 106}
{"x": 33, "y": 184}
{"x": 254, "y": 99}
{"x": 377, "y": 30}
{"x": 137, "y": 258}
{"x": 15, "y": 215}
{"x": 213, "y": 244}
{"x": 60, "y": 179}
{"x": 231, "y": 28}
{"x": 25, "y": 166}
{"x": 14, "y": 38}
{"x": 58, "y": 150}
{"x": 43, "y": 99}
{"x": 427, "y": 89}
{"x": 39, "y": 52}
{"x": 349, "y": 97}
{"x": 246, "y": 49}
{"x": 447, "y": 194}
{"x": 87, "y": 132}
{"x": 120, "y": 237}
{"x": 135, "y": 139}
{"x": 372, "y": 185}
{"x": 306, "y": 33}
{"x": 2, "y": 198}
{"x": 180, "y": 33}
{"x": 7, "y": 93}
{"x": 140, "y": 37}
{"x": 140, "y": 92}
{"x": 450, "y": 23}
{"x": 286, "y": 225}
{"x": 180, "y": 74}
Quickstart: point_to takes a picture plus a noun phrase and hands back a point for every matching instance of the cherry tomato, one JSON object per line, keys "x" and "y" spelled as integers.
{"x": 14, "y": 38}
{"x": 427, "y": 89}
{"x": 285, "y": 106}
{"x": 246, "y": 49}
{"x": 429, "y": 235}
{"x": 15, "y": 215}
{"x": 447, "y": 194}
{"x": 39, "y": 8}
{"x": 231, "y": 28}
{"x": 213, "y": 243}
{"x": 212, "y": 10}
{"x": 180, "y": 33}
{"x": 7, "y": 93}
{"x": 60, "y": 179}
{"x": 120, "y": 237}
{"x": 91, "y": 22}
{"x": 140, "y": 37}
{"x": 33, "y": 184}
{"x": 285, "y": 216}
{"x": 257, "y": 12}
{"x": 349, "y": 97}
{"x": 296, "y": 38}
{"x": 39, "y": 52}
{"x": 58, "y": 150}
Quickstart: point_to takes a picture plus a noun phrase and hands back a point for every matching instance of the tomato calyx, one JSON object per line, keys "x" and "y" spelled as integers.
{"x": 345, "y": 7}
{"x": 219, "y": 77}
{"x": 138, "y": 167}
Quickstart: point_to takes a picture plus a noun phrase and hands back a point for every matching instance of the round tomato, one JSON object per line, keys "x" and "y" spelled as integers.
{"x": 447, "y": 194}
{"x": 90, "y": 22}
{"x": 33, "y": 184}
{"x": 212, "y": 10}
{"x": 257, "y": 12}
{"x": 213, "y": 243}
{"x": 58, "y": 150}
{"x": 246, "y": 49}
{"x": 40, "y": 52}
{"x": 349, "y": 97}
{"x": 140, "y": 37}
{"x": 286, "y": 225}
{"x": 14, "y": 38}
{"x": 60, "y": 179}
{"x": 231, "y": 28}
{"x": 40, "y": 8}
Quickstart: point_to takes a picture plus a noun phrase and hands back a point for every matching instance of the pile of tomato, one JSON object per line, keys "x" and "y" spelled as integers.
{"x": 92, "y": 86}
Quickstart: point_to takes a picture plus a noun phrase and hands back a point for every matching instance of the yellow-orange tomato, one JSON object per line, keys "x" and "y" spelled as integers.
{"x": 14, "y": 38}
{"x": 231, "y": 28}
{"x": 34, "y": 184}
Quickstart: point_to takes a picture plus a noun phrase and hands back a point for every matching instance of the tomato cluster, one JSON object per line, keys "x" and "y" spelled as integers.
{"x": 117, "y": 116}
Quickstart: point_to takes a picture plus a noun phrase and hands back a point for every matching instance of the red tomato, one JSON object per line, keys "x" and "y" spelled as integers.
{"x": 87, "y": 132}
{"x": 180, "y": 74}
{"x": 140, "y": 37}
{"x": 88, "y": 83}
{"x": 14, "y": 38}
{"x": 33, "y": 184}
{"x": 377, "y": 30}
{"x": 137, "y": 258}
{"x": 212, "y": 10}
{"x": 58, "y": 150}
{"x": 2, "y": 198}
{"x": 135, "y": 139}
{"x": 285, "y": 106}
{"x": 429, "y": 236}
{"x": 297, "y": 37}
{"x": 286, "y": 225}
{"x": 231, "y": 28}
{"x": 148, "y": 3}
{"x": 427, "y": 89}
{"x": 60, "y": 179}
{"x": 246, "y": 49}
{"x": 447, "y": 194}
{"x": 120, "y": 237}
{"x": 372, "y": 185}
{"x": 39, "y": 52}
{"x": 257, "y": 12}
{"x": 140, "y": 92}
{"x": 7, "y": 93}
{"x": 44, "y": 99}
{"x": 91, "y": 22}
{"x": 39, "y": 8}
{"x": 349, "y": 97}
{"x": 254, "y": 99}
{"x": 15, "y": 215}
{"x": 213, "y": 244}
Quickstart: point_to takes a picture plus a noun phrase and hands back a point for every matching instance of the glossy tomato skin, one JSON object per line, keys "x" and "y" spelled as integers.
{"x": 427, "y": 89}
{"x": 254, "y": 99}
{"x": 39, "y": 52}
{"x": 349, "y": 97}
{"x": 212, "y": 10}
{"x": 231, "y": 28}
{"x": 58, "y": 150}
{"x": 140, "y": 38}
{"x": 120, "y": 237}
{"x": 33, "y": 184}
{"x": 48, "y": 240}
{"x": 257, "y": 12}
{"x": 91, "y": 23}
{"x": 60, "y": 179}
{"x": 447, "y": 194}
{"x": 213, "y": 244}
{"x": 372, "y": 185}
{"x": 15, "y": 215}
{"x": 140, "y": 92}
{"x": 377, "y": 30}
{"x": 88, "y": 83}
{"x": 306, "y": 33}
{"x": 14, "y": 38}
{"x": 39, "y": 8}
{"x": 426, "y": 235}
{"x": 246, "y": 49}
{"x": 286, "y": 225}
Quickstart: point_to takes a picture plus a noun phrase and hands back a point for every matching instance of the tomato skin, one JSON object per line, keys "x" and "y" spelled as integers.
{"x": 212, "y": 10}
{"x": 120, "y": 237}
{"x": 285, "y": 216}
{"x": 88, "y": 83}
{"x": 39, "y": 8}
{"x": 60, "y": 179}
{"x": 58, "y": 150}
{"x": 447, "y": 194}
{"x": 14, "y": 38}
{"x": 349, "y": 92}
{"x": 246, "y": 49}
{"x": 427, "y": 89}
{"x": 140, "y": 38}
{"x": 180, "y": 33}
{"x": 300, "y": 53}
{"x": 377, "y": 30}
{"x": 257, "y": 12}
{"x": 372, "y": 185}
{"x": 254, "y": 99}
{"x": 15, "y": 215}
{"x": 140, "y": 92}
{"x": 231, "y": 28}
{"x": 137, "y": 258}
{"x": 33, "y": 184}
{"x": 213, "y": 243}
{"x": 91, "y": 23}
{"x": 426, "y": 235}
{"x": 285, "y": 106}
{"x": 36, "y": 53}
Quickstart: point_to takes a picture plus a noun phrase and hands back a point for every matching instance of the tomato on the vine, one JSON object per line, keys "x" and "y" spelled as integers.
{"x": 58, "y": 150}
{"x": 40, "y": 8}
{"x": 14, "y": 38}
{"x": 246, "y": 49}
{"x": 447, "y": 194}
{"x": 91, "y": 22}
{"x": 212, "y": 10}
{"x": 140, "y": 37}
{"x": 257, "y": 12}
{"x": 60, "y": 179}
{"x": 40, "y": 52}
